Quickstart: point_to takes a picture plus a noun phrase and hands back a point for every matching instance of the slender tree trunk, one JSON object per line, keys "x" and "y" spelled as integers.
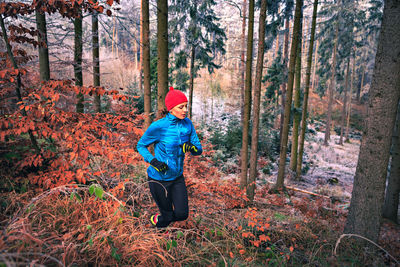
{"x": 314, "y": 78}
{"x": 145, "y": 55}
{"x": 191, "y": 80}
{"x": 96, "y": 58}
{"x": 346, "y": 86}
{"x": 44, "y": 65}
{"x": 331, "y": 87}
{"x": 351, "y": 96}
{"x": 296, "y": 103}
{"x": 256, "y": 109}
{"x": 306, "y": 92}
{"x": 242, "y": 61}
{"x": 162, "y": 55}
{"x": 288, "y": 102}
{"x": 391, "y": 204}
{"x": 365, "y": 212}
{"x": 247, "y": 97}
{"x": 19, "y": 83}
{"x": 283, "y": 85}
{"x": 78, "y": 60}
{"x": 363, "y": 67}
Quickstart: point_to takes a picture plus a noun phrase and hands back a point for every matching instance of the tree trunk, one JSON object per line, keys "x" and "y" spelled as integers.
{"x": 331, "y": 87}
{"x": 306, "y": 92}
{"x": 391, "y": 204}
{"x": 283, "y": 85}
{"x": 191, "y": 82}
{"x": 351, "y": 96}
{"x": 96, "y": 58}
{"x": 78, "y": 59}
{"x": 242, "y": 58}
{"x": 365, "y": 211}
{"x": 19, "y": 83}
{"x": 314, "y": 78}
{"x": 256, "y": 106}
{"x": 346, "y": 86}
{"x": 363, "y": 67}
{"x": 288, "y": 102}
{"x": 145, "y": 55}
{"x": 162, "y": 56}
{"x": 296, "y": 103}
{"x": 247, "y": 97}
{"x": 44, "y": 65}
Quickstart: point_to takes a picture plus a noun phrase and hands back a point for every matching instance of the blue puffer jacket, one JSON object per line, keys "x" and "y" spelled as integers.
{"x": 168, "y": 134}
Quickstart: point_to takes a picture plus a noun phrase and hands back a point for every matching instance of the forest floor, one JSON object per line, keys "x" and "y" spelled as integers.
{"x": 331, "y": 169}
{"x": 81, "y": 226}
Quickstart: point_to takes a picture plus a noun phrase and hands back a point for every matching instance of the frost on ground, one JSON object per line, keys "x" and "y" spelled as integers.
{"x": 331, "y": 169}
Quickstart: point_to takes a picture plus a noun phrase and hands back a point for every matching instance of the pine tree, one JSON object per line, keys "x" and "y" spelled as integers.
{"x": 365, "y": 211}
{"x": 202, "y": 36}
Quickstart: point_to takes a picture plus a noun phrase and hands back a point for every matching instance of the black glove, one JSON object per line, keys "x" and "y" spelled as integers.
{"x": 159, "y": 165}
{"x": 189, "y": 147}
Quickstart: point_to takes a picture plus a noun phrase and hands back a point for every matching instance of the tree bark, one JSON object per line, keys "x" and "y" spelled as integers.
{"x": 162, "y": 56}
{"x": 351, "y": 96}
{"x": 306, "y": 92}
{"x": 44, "y": 66}
{"x": 247, "y": 97}
{"x": 296, "y": 103}
{"x": 242, "y": 62}
{"x": 365, "y": 211}
{"x": 391, "y": 204}
{"x": 19, "y": 83}
{"x": 96, "y": 58}
{"x": 363, "y": 67}
{"x": 283, "y": 85}
{"x": 288, "y": 102}
{"x": 314, "y": 78}
{"x": 191, "y": 80}
{"x": 256, "y": 106}
{"x": 78, "y": 59}
{"x": 344, "y": 108}
{"x": 331, "y": 87}
{"x": 145, "y": 55}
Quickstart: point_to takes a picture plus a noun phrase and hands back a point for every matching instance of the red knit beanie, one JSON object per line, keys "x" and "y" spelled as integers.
{"x": 174, "y": 98}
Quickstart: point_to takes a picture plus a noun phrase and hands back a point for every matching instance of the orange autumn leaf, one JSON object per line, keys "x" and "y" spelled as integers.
{"x": 242, "y": 251}
{"x": 291, "y": 249}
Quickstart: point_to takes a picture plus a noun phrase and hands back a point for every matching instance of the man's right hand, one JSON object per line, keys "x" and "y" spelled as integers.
{"x": 159, "y": 165}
